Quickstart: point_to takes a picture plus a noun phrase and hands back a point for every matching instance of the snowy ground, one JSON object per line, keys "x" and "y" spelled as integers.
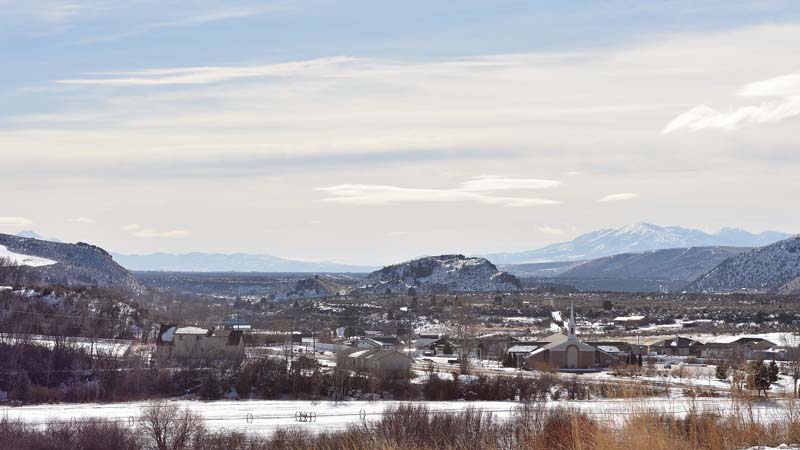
{"x": 113, "y": 347}
{"x": 266, "y": 416}
{"x": 24, "y": 260}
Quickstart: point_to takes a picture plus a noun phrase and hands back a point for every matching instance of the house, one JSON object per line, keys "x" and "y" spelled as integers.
{"x": 677, "y": 346}
{"x": 516, "y": 354}
{"x": 745, "y": 348}
{"x": 567, "y": 353}
{"x": 376, "y": 343}
{"x": 379, "y": 362}
{"x": 194, "y": 343}
{"x": 630, "y": 322}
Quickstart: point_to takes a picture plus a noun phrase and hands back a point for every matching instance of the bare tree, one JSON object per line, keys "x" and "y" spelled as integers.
{"x": 169, "y": 427}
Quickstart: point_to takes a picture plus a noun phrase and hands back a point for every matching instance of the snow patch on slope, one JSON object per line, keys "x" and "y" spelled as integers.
{"x": 24, "y": 260}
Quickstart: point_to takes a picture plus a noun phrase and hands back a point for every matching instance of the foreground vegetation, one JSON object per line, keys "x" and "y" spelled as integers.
{"x": 162, "y": 426}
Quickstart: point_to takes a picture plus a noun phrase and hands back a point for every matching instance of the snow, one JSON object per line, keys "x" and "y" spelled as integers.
{"x": 169, "y": 335}
{"x": 266, "y": 416}
{"x": 25, "y": 260}
{"x": 191, "y": 330}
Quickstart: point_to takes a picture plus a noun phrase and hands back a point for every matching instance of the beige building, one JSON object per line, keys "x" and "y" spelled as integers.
{"x": 193, "y": 343}
{"x": 568, "y": 353}
{"x": 382, "y": 362}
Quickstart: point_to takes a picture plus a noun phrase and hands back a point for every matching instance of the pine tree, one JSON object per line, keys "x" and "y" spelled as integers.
{"x": 774, "y": 371}
{"x": 22, "y": 388}
{"x": 758, "y": 377}
{"x": 210, "y": 389}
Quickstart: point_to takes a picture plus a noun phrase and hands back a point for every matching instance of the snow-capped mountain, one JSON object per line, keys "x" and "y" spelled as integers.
{"x": 639, "y": 237}
{"x": 774, "y": 268}
{"x": 445, "y": 273}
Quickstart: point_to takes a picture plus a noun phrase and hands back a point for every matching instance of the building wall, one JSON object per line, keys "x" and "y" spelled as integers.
{"x": 205, "y": 347}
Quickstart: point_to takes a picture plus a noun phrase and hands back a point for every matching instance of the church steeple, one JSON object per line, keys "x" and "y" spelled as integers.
{"x": 572, "y": 335}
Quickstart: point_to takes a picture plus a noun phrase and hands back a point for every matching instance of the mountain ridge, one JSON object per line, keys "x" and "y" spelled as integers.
{"x": 774, "y": 268}
{"x": 638, "y": 237}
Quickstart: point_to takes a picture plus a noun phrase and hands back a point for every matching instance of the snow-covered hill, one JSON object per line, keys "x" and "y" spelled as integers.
{"x": 679, "y": 264}
{"x": 640, "y": 237}
{"x": 445, "y": 273}
{"x": 774, "y": 268}
{"x": 73, "y": 264}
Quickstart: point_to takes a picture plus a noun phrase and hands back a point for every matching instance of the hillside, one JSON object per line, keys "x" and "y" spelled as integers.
{"x": 445, "y": 273}
{"x": 679, "y": 264}
{"x": 73, "y": 264}
{"x": 773, "y": 268}
{"x": 228, "y": 262}
{"x": 640, "y": 237}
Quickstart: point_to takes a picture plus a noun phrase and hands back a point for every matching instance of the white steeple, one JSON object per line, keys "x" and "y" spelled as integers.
{"x": 572, "y": 335}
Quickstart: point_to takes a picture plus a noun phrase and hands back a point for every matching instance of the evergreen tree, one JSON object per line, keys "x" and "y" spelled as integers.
{"x": 210, "y": 389}
{"x": 774, "y": 371}
{"x": 722, "y": 371}
{"x": 22, "y": 388}
{"x": 758, "y": 377}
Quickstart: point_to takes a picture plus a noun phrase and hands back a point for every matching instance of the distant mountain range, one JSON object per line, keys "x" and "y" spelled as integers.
{"x": 228, "y": 262}
{"x": 635, "y": 238}
{"x": 774, "y": 268}
{"x": 69, "y": 264}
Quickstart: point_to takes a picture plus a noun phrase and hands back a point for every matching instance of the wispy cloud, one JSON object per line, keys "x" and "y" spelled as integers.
{"x": 83, "y": 220}
{"x": 550, "y": 230}
{"x": 618, "y": 197}
{"x": 785, "y": 88}
{"x": 139, "y": 231}
{"x": 14, "y": 221}
{"x": 151, "y": 233}
{"x": 474, "y": 190}
{"x": 207, "y": 75}
{"x": 214, "y": 15}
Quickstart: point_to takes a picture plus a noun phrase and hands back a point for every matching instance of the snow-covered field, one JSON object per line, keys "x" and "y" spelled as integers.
{"x": 266, "y": 416}
{"x": 24, "y": 260}
{"x": 112, "y": 347}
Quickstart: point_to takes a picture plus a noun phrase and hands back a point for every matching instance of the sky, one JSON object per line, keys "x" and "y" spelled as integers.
{"x": 372, "y": 132}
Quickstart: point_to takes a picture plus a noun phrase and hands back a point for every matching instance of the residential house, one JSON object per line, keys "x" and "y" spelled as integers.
{"x": 389, "y": 363}
{"x": 194, "y": 343}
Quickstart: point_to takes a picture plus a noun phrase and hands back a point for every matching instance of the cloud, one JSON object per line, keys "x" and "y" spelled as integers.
{"x": 84, "y": 220}
{"x": 151, "y": 233}
{"x": 397, "y": 233}
{"x": 207, "y": 75}
{"x": 14, "y": 221}
{"x": 618, "y": 197}
{"x": 470, "y": 191}
{"x": 489, "y": 183}
{"x": 574, "y": 173}
{"x": 139, "y": 231}
{"x": 550, "y": 230}
{"x": 785, "y": 88}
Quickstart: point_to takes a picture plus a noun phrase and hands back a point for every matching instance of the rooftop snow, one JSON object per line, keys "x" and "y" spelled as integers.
{"x": 191, "y": 330}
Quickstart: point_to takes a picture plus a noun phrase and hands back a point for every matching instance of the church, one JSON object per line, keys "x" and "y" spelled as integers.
{"x": 567, "y": 353}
